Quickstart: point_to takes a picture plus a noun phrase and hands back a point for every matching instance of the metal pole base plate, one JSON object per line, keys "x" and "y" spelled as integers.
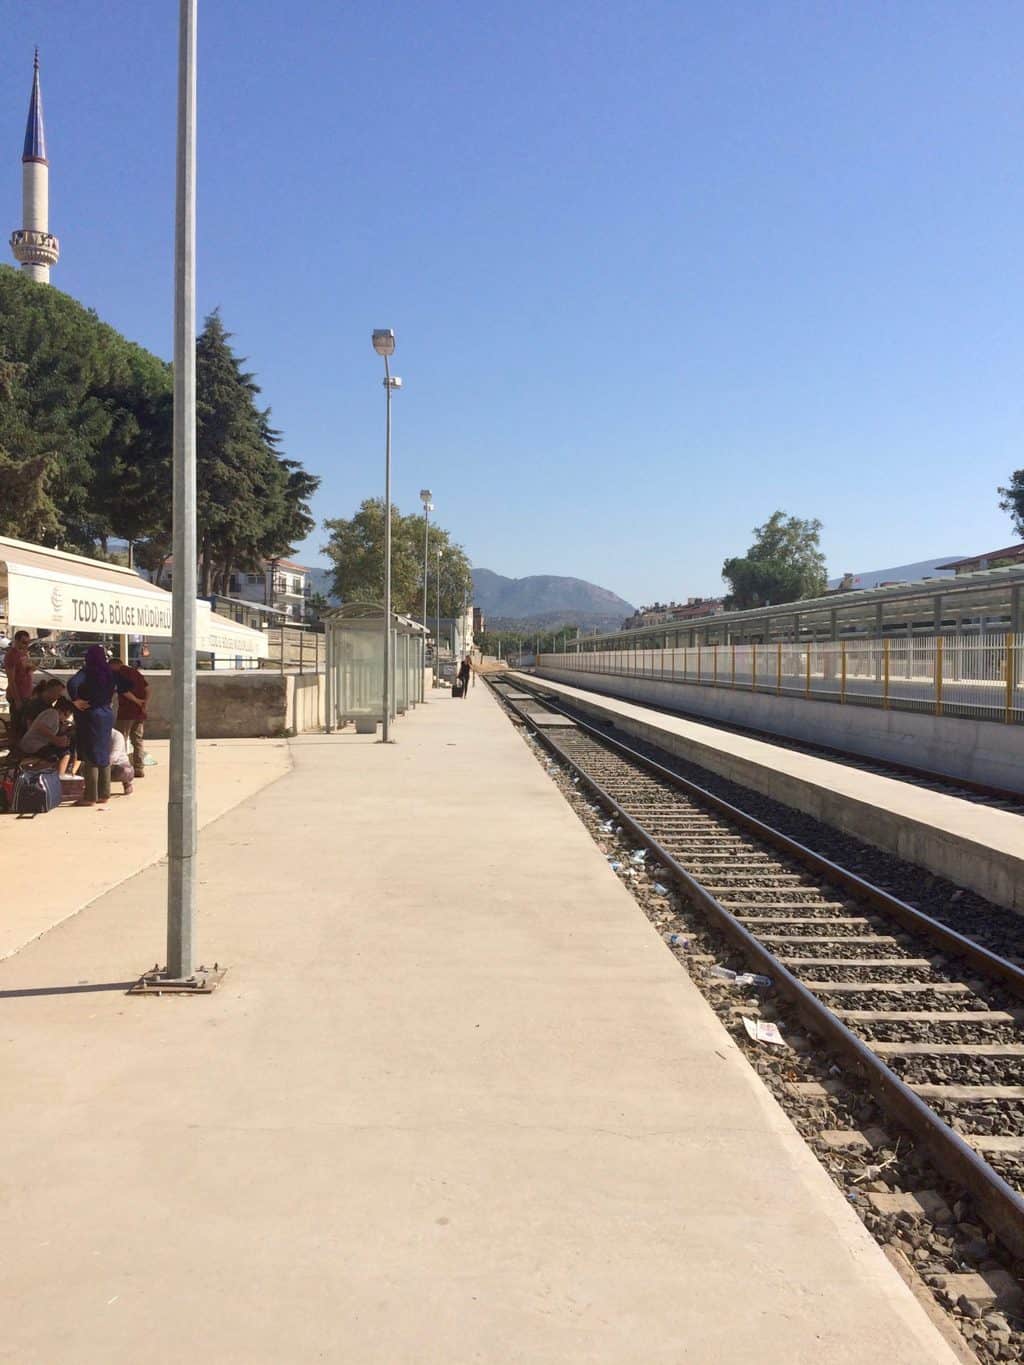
{"x": 204, "y": 981}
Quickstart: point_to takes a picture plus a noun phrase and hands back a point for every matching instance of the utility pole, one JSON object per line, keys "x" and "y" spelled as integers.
{"x": 181, "y": 804}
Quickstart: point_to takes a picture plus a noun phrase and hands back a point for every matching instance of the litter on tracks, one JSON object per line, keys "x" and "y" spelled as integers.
{"x": 740, "y": 978}
{"x": 660, "y": 890}
{"x": 758, "y": 1031}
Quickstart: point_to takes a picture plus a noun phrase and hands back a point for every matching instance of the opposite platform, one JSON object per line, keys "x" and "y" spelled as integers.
{"x": 454, "y": 1102}
{"x": 973, "y": 845}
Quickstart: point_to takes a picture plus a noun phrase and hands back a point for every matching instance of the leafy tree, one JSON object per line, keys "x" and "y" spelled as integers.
{"x": 1012, "y": 500}
{"x": 85, "y": 441}
{"x": 65, "y": 399}
{"x": 356, "y": 551}
{"x": 525, "y": 637}
{"x": 784, "y": 564}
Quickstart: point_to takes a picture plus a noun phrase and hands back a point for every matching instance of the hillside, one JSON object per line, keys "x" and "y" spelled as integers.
{"x": 900, "y": 573}
{"x": 548, "y": 600}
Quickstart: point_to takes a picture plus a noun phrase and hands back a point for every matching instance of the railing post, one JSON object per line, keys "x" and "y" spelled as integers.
{"x": 673, "y": 665}
{"x": 753, "y": 666}
{"x": 302, "y": 641}
{"x": 938, "y": 675}
{"x": 842, "y": 670}
{"x": 1011, "y": 671}
{"x": 778, "y": 673}
{"x": 807, "y": 677}
{"x": 734, "y": 665}
{"x": 714, "y": 664}
{"x": 698, "y": 663}
{"x": 885, "y": 674}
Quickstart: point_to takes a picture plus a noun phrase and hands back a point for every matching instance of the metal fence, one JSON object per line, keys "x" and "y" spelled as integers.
{"x": 962, "y": 675}
{"x": 295, "y": 649}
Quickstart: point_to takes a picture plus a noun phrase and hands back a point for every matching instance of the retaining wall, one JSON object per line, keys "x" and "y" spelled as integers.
{"x": 978, "y": 750}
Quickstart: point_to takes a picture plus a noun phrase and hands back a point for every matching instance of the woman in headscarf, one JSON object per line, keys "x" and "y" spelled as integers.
{"x": 92, "y": 690}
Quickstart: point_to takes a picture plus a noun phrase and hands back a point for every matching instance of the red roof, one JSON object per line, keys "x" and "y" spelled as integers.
{"x": 1009, "y": 551}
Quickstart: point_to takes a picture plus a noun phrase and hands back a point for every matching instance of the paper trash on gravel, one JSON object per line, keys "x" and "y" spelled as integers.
{"x": 660, "y": 890}
{"x": 758, "y": 1031}
{"x": 638, "y": 856}
{"x": 753, "y": 979}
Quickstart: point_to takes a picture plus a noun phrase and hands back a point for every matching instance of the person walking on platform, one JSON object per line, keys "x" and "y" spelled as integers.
{"x": 92, "y": 691}
{"x": 132, "y": 695}
{"x": 464, "y": 672}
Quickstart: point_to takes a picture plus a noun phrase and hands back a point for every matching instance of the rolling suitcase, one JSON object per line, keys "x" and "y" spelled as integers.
{"x": 456, "y": 688}
{"x": 35, "y": 792}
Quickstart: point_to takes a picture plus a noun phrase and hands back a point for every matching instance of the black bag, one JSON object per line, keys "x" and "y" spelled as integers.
{"x": 457, "y": 688}
{"x": 35, "y": 793}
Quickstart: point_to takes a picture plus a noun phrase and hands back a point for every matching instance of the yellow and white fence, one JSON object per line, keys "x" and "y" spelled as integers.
{"x": 962, "y": 675}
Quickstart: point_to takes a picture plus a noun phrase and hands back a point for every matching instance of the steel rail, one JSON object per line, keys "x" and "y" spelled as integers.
{"x": 998, "y": 1202}
{"x": 850, "y": 757}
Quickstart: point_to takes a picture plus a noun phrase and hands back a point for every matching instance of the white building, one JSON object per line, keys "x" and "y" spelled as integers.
{"x": 280, "y": 583}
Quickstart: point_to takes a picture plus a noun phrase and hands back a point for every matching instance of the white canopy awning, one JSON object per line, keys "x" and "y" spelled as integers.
{"x": 51, "y": 590}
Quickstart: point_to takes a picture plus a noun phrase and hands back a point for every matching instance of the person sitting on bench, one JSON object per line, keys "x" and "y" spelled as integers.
{"x": 48, "y": 736}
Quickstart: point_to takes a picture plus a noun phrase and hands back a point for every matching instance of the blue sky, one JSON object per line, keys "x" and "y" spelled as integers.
{"x": 655, "y": 269}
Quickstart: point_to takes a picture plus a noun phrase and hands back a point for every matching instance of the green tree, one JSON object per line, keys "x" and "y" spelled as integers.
{"x": 784, "y": 564}
{"x": 1011, "y": 500}
{"x": 356, "y": 552}
{"x": 70, "y": 413}
{"x": 252, "y": 504}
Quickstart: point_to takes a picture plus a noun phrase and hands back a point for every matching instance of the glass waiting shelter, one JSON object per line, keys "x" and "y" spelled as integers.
{"x": 355, "y": 665}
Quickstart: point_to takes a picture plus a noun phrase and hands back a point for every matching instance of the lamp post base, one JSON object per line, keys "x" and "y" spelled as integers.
{"x": 204, "y": 981}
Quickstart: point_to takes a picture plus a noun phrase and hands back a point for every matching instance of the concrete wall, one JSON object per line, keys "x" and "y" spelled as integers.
{"x": 978, "y": 750}
{"x": 248, "y": 704}
{"x": 305, "y": 701}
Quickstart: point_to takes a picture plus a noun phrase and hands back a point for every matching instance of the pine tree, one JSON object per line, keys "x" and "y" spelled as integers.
{"x": 252, "y": 503}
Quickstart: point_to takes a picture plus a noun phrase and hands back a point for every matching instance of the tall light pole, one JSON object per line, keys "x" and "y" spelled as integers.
{"x": 437, "y": 624}
{"x": 384, "y": 345}
{"x": 428, "y": 507}
{"x": 181, "y": 801}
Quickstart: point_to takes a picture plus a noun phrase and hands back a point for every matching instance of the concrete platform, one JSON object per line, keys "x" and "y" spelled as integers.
{"x": 70, "y": 856}
{"x": 454, "y": 1102}
{"x": 973, "y": 845}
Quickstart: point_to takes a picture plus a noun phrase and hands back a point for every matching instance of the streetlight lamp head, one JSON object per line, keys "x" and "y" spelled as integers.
{"x": 425, "y": 496}
{"x": 384, "y": 341}
{"x": 393, "y": 383}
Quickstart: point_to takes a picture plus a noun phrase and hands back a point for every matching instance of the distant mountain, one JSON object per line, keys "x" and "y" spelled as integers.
{"x": 902, "y": 573}
{"x": 322, "y": 581}
{"x": 547, "y": 600}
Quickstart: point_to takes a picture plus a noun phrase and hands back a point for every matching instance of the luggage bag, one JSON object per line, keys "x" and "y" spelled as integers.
{"x": 36, "y": 792}
{"x": 456, "y": 689}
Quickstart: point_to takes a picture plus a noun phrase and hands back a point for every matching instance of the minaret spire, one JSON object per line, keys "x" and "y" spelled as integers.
{"x": 34, "y": 246}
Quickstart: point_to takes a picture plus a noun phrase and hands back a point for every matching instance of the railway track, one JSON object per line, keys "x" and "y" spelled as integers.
{"x": 931, "y": 1020}
{"x": 979, "y": 793}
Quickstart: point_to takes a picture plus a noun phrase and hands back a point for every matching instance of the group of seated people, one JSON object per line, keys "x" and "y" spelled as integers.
{"x": 72, "y": 726}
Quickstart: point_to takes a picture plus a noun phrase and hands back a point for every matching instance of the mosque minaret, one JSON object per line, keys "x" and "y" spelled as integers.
{"x": 33, "y": 244}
